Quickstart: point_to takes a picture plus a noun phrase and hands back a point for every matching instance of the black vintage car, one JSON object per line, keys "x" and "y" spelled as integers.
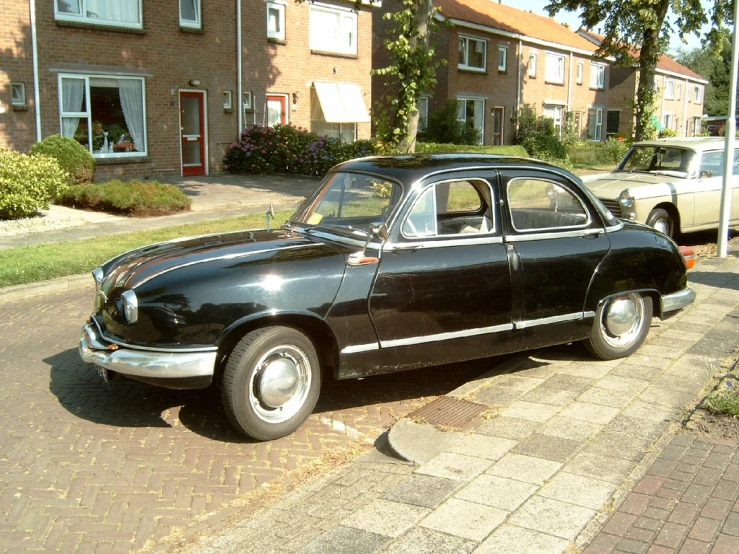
{"x": 393, "y": 263}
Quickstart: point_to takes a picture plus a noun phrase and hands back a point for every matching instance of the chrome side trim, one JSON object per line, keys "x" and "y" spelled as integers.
{"x": 677, "y": 300}
{"x": 314, "y": 232}
{"x": 159, "y": 365}
{"x": 446, "y": 336}
{"x": 360, "y": 348}
{"x": 104, "y": 336}
{"x": 441, "y": 243}
{"x": 553, "y": 235}
{"x": 554, "y": 319}
{"x": 617, "y": 227}
{"x": 224, "y": 257}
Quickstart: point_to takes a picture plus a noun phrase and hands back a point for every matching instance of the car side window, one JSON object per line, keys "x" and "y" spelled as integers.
{"x": 712, "y": 164}
{"x": 540, "y": 205}
{"x": 458, "y": 207}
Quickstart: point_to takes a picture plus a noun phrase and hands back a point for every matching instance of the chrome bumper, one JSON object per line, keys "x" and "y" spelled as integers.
{"x": 152, "y": 365}
{"x": 677, "y": 300}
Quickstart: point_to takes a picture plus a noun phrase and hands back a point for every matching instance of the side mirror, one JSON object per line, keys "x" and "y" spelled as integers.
{"x": 379, "y": 230}
{"x": 706, "y": 173}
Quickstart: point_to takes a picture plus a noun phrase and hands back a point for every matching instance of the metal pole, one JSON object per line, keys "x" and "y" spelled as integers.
{"x": 725, "y": 215}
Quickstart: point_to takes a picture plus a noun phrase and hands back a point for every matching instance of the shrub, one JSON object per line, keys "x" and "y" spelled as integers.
{"x": 434, "y": 148}
{"x": 444, "y": 127}
{"x": 544, "y": 147}
{"x": 589, "y": 154}
{"x": 667, "y": 133}
{"x": 74, "y": 158}
{"x": 288, "y": 149}
{"x": 134, "y": 198}
{"x": 28, "y": 183}
{"x": 617, "y": 148}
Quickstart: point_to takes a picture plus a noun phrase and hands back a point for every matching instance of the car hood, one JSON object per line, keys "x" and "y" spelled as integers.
{"x": 136, "y": 267}
{"x": 641, "y": 185}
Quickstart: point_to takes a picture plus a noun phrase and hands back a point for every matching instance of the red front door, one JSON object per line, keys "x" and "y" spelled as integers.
{"x": 276, "y": 109}
{"x": 192, "y": 125}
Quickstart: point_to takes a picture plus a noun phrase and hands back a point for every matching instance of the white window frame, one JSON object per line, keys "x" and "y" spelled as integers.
{"x": 279, "y": 7}
{"x": 18, "y": 94}
{"x": 88, "y": 113}
{"x": 669, "y": 89}
{"x": 698, "y": 94}
{"x": 668, "y": 120}
{"x": 679, "y": 92}
{"x": 556, "y": 112}
{"x": 84, "y": 15}
{"x": 197, "y": 23}
{"x": 597, "y": 75}
{"x": 549, "y": 74}
{"x": 465, "y": 41}
{"x": 533, "y": 58}
{"x": 228, "y": 100}
{"x": 318, "y": 33}
{"x": 502, "y": 58}
{"x": 580, "y": 71}
{"x": 689, "y": 93}
{"x": 598, "y": 124}
{"x": 466, "y": 99}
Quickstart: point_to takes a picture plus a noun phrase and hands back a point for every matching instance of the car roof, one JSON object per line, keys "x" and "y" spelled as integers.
{"x": 699, "y": 144}
{"x": 413, "y": 167}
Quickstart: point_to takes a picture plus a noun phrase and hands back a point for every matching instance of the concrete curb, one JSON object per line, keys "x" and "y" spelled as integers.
{"x": 18, "y": 292}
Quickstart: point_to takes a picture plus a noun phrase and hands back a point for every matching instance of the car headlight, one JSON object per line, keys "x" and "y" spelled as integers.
{"x": 130, "y": 307}
{"x": 625, "y": 199}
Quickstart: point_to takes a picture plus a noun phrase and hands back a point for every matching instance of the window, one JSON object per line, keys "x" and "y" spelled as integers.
{"x": 275, "y": 20}
{"x": 333, "y": 30}
{"x": 423, "y": 113}
{"x": 612, "y": 122}
{"x": 532, "y": 65}
{"x": 597, "y": 75}
{"x": 106, "y": 114}
{"x": 669, "y": 89}
{"x": 595, "y": 124}
{"x": 679, "y": 91}
{"x": 538, "y": 205}
{"x": 555, "y": 114}
{"x": 688, "y": 93}
{"x": 471, "y": 112}
{"x": 227, "y": 100}
{"x": 190, "y": 13}
{"x": 555, "y": 68}
{"x": 668, "y": 121}
{"x": 472, "y": 54}
{"x": 502, "y": 58}
{"x": 451, "y": 208}
{"x": 118, "y": 13}
{"x": 698, "y": 94}
{"x": 18, "y": 94}
{"x": 579, "y": 72}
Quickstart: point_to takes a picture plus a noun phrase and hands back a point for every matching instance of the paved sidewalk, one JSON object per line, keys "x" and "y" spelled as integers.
{"x": 565, "y": 441}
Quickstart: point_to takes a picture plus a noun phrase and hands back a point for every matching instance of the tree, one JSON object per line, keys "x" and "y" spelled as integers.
{"x": 637, "y": 31}
{"x": 412, "y": 71}
{"x": 718, "y": 72}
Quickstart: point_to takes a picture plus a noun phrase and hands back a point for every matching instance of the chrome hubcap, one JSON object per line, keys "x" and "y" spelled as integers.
{"x": 622, "y": 320}
{"x": 280, "y": 383}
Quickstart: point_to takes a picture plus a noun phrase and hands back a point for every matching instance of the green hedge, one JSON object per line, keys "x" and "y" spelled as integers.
{"x": 28, "y": 183}
{"x": 74, "y": 158}
{"x": 434, "y": 148}
{"x": 134, "y": 198}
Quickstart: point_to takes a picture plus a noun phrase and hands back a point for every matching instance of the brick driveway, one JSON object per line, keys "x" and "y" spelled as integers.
{"x": 95, "y": 468}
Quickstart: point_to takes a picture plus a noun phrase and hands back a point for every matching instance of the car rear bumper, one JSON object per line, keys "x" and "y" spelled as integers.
{"x": 165, "y": 368}
{"x": 677, "y": 300}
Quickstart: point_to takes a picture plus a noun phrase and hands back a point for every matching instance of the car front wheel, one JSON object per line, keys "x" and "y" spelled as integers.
{"x": 662, "y": 221}
{"x": 271, "y": 382}
{"x": 621, "y": 326}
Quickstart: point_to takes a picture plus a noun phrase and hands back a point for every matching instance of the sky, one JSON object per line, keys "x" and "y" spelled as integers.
{"x": 537, "y": 6}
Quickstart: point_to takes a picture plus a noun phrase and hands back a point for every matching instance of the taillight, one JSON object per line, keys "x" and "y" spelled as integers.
{"x": 688, "y": 256}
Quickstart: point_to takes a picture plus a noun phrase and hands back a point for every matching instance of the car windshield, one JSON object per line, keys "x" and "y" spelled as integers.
{"x": 663, "y": 160}
{"x": 349, "y": 202}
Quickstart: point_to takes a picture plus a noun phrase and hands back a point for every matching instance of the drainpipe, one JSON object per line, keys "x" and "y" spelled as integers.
{"x": 240, "y": 86}
{"x": 518, "y": 85}
{"x": 36, "y": 89}
{"x": 684, "y": 98}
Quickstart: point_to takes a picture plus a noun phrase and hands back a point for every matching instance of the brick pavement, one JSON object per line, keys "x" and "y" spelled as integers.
{"x": 86, "y": 467}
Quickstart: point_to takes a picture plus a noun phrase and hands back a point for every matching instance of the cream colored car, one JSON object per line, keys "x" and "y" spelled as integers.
{"x": 673, "y": 185}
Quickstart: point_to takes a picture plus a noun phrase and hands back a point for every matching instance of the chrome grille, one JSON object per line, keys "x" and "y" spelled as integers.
{"x": 613, "y": 206}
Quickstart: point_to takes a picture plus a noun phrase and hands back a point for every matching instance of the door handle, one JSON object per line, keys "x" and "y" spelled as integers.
{"x": 591, "y": 233}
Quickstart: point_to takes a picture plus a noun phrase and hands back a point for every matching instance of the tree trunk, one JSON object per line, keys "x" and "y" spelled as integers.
{"x": 419, "y": 39}
{"x": 645, "y": 93}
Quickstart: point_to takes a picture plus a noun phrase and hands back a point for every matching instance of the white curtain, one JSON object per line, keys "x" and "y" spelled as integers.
{"x": 73, "y": 93}
{"x": 132, "y": 100}
{"x": 125, "y": 11}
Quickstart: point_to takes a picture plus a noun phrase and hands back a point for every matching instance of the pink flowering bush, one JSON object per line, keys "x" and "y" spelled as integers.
{"x": 288, "y": 149}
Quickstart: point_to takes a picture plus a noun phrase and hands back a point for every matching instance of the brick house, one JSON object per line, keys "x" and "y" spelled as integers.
{"x": 680, "y": 93}
{"x": 164, "y": 87}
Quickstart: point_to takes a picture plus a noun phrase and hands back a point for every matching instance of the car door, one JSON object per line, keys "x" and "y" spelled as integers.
{"x": 557, "y": 241}
{"x": 443, "y": 290}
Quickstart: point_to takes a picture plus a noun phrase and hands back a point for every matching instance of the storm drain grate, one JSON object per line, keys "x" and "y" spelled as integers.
{"x": 449, "y": 411}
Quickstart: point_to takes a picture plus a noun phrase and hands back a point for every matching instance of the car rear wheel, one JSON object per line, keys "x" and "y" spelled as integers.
{"x": 271, "y": 382}
{"x": 621, "y": 325}
{"x": 662, "y": 221}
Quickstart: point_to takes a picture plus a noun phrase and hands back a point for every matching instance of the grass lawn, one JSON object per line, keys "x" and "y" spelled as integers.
{"x": 30, "y": 264}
